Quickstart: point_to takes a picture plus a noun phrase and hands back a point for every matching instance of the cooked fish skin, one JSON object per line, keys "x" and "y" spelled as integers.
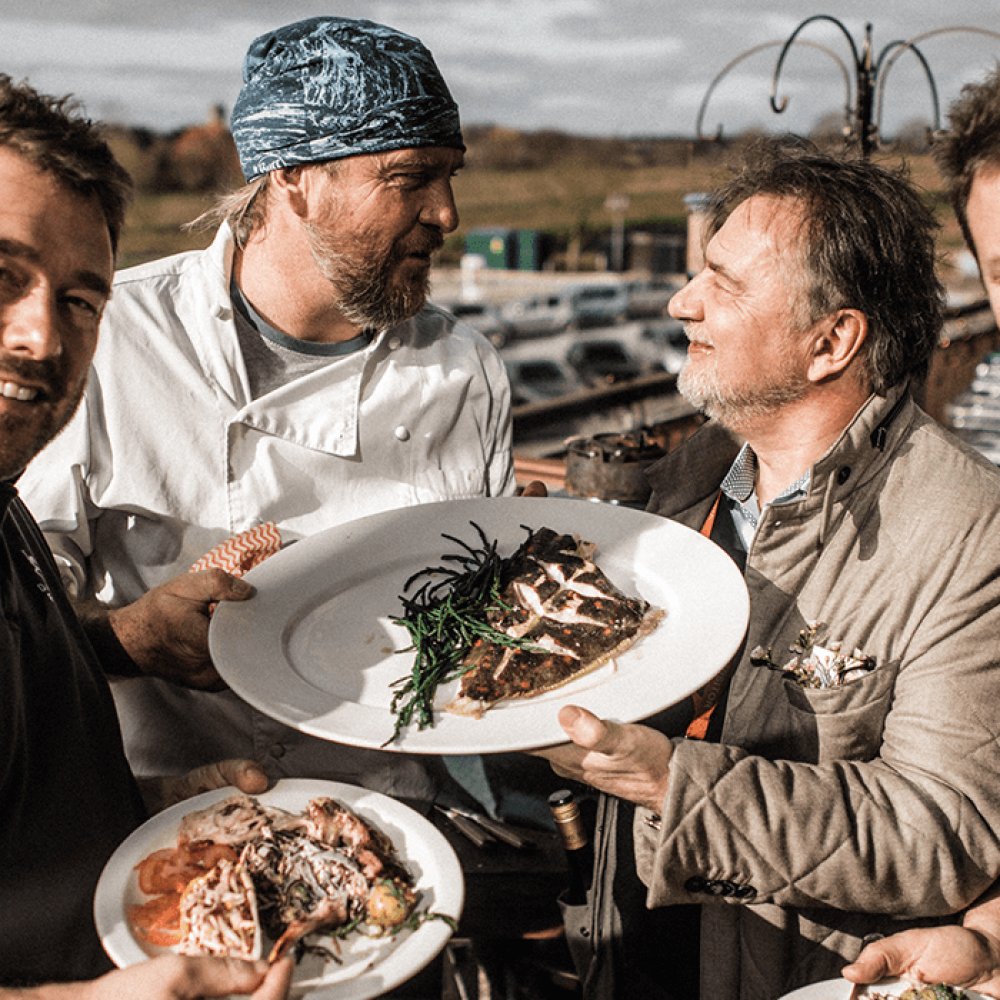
{"x": 219, "y": 916}
{"x": 554, "y": 596}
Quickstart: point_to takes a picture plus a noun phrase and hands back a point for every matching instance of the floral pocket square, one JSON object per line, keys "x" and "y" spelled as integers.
{"x": 816, "y": 666}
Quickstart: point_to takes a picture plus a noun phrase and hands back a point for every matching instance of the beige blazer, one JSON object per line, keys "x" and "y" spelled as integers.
{"x": 826, "y": 814}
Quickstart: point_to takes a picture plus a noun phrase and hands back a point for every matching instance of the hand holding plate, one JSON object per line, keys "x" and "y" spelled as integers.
{"x": 165, "y": 632}
{"x": 173, "y": 977}
{"x": 246, "y": 775}
{"x": 627, "y": 761}
{"x": 960, "y": 956}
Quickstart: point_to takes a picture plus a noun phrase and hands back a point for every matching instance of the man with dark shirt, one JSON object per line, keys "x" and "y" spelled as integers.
{"x": 67, "y": 795}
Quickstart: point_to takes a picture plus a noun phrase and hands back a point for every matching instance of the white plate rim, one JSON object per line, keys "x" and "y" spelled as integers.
{"x": 441, "y": 871}
{"x": 840, "y": 989}
{"x": 249, "y": 640}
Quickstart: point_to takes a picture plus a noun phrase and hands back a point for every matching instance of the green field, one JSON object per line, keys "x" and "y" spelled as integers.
{"x": 566, "y": 199}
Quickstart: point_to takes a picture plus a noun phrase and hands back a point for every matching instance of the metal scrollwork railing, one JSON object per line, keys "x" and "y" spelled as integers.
{"x": 863, "y": 108}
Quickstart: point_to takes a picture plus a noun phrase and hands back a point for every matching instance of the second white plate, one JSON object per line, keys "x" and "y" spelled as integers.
{"x": 369, "y": 967}
{"x": 840, "y": 989}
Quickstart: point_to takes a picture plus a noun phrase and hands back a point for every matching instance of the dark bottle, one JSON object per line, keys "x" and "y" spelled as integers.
{"x": 579, "y": 852}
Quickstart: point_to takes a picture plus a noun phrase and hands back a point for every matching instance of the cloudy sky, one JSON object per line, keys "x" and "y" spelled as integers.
{"x": 595, "y": 67}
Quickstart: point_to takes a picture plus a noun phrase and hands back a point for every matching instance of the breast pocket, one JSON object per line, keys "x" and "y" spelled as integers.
{"x": 841, "y": 723}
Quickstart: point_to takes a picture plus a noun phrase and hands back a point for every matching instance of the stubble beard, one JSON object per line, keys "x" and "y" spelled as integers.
{"x": 368, "y": 294}
{"x": 24, "y": 435}
{"x": 734, "y": 405}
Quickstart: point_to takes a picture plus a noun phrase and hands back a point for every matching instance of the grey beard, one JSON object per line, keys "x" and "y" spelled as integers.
{"x": 733, "y": 406}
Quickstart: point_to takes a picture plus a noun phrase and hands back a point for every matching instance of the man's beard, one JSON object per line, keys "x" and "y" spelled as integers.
{"x": 23, "y": 436}
{"x": 734, "y": 404}
{"x": 363, "y": 278}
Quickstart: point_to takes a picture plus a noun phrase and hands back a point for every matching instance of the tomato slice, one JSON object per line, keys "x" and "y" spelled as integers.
{"x": 158, "y": 921}
{"x": 170, "y": 869}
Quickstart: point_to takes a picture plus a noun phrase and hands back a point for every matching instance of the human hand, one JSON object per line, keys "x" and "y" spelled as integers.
{"x": 960, "y": 956}
{"x": 177, "y": 977}
{"x": 627, "y": 761}
{"x": 246, "y": 775}
{"x": 165, "y": 632}
{"x": 536, "y": 488}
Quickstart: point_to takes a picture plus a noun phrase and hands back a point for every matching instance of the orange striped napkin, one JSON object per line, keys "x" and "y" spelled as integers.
{"x": 239, "y": 554}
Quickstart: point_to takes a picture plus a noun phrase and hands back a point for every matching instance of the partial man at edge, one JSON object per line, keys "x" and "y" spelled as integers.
{"x": 968, "y": 156}
{"x": 67, "y": 795}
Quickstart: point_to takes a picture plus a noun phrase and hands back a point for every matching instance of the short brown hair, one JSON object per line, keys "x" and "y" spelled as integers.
{"x": 971, "y": 142}
{"x": 53, "y": 134}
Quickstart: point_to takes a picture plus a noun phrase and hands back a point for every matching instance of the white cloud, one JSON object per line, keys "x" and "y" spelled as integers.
{"x": 594, "y": 66}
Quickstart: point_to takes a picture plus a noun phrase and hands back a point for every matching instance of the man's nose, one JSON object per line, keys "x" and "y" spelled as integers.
{"x": 441, "y": 210}
{"x": 684, "y": 304}
{"x": 30, "y": 326}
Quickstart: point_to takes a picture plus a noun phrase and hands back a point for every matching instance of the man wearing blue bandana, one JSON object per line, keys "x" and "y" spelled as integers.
{"x": 291, "y": 372}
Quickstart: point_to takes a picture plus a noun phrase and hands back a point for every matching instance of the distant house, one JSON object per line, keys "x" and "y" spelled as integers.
{"x": 204, "y": 157}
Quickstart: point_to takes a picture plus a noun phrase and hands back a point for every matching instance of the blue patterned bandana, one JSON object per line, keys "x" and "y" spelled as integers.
{"x": 330, "y": 87}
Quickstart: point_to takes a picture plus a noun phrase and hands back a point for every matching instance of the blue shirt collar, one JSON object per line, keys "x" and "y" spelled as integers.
{"x": 738, "y": 485}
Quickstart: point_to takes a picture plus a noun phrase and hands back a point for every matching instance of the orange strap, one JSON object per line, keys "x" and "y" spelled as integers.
{"x": 706, "y": 698}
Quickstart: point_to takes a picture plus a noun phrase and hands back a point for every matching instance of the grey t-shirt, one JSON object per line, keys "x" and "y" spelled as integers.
{"x": 274, "y": 359}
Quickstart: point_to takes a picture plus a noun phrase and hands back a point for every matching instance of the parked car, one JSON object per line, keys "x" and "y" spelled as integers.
{"x": 974, "y": 415}
{"x": 535, "y": 379}
{"x": 538, "y": 316}
{"x": 598, "y": 304}
{"x": 670, "y": 343}
{"x": 649, "y": 297}
{"x": 603, "y": 362}
{"x": 483, "y": 316}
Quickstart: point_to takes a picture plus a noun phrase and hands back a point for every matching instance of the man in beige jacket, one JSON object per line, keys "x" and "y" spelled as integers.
{"x": 849, "y": 774}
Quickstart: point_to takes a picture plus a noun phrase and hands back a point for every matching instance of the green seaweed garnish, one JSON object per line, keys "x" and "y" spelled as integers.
{"x": 445, "y": 616}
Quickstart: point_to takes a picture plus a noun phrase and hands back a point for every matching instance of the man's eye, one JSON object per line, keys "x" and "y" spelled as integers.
{"x": 86, "y": 307}
{"x": 412, "y": 180}
{"x": 8, "y": 278}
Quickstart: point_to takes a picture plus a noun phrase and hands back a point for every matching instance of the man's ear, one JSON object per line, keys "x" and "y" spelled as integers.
{"x": 837, "y": 341}
{"x": 291, "y": 186}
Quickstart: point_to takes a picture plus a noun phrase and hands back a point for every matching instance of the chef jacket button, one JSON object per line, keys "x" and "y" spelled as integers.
{"x": 276, "y": 750}
{"x": 696, "y": 884}
{"x": 402, "y": 433}
{"x": 394, "y": 344}
{"x": 843, "y": 475}
{"x": 745, "y": 892}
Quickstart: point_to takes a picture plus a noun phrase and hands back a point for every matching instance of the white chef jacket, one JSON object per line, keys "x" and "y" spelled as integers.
{"x": 168, "y": 455}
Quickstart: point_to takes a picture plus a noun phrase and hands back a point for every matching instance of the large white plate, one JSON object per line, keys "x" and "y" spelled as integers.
{"x": 370, "y": 966}
{"x": 315, "y": 648}
{"x": 840, "y": 989}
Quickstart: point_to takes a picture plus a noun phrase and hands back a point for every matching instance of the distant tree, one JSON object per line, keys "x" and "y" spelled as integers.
{"x": 829, "y": 131}
{"x": 913, "y": 137}
{"x": 748, "y": 137}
